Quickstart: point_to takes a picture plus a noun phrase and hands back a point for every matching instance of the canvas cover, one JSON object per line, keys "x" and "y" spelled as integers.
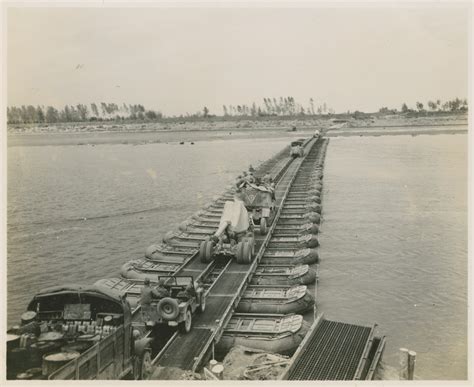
{"x": 258, "y": 196}
{"x": 236, "y": 215}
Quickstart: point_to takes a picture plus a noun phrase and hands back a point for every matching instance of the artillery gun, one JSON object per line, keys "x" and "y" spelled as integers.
{"x": 234, "y": 236}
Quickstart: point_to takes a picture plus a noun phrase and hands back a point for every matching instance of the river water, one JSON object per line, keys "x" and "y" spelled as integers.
{"x": 77, "y": 213}
{"x": 394, "y": 245}
{"x": 394, "y": 237}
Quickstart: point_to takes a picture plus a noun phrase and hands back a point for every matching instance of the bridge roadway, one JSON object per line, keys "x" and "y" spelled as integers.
{"x": 186, "y": 351}
{"x": 193, "y": 266}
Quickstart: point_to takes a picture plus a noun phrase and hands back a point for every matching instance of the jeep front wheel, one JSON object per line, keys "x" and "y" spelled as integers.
{"x": 186, "y": 325}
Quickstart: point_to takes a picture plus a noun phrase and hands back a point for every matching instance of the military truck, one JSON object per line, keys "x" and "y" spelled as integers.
{"x": 78, "y": 332}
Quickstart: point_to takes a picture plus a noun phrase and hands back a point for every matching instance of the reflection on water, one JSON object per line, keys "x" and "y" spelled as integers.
{"x": 394, "y": 245}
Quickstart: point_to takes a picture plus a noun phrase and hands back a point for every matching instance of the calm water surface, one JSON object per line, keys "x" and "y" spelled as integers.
{"x": 394, "y": 238}
{"x": 77, "y": 213}
{"x": 394, "y": 245}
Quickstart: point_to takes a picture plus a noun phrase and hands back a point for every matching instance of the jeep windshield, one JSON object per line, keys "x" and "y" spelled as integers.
{"x": 176, "y": 281}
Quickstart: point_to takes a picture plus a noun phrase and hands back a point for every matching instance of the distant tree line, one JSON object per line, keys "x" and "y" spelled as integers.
{"x": 282, "y": 106}
{"x": 455, "y": 105}
{"x": 79, "y": 113}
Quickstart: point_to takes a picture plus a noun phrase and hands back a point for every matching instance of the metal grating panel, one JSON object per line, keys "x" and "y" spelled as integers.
{"x": 333, "y": 353}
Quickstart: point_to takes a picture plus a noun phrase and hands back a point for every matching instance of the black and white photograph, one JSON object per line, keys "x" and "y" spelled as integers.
{"x": 236, "y": 191}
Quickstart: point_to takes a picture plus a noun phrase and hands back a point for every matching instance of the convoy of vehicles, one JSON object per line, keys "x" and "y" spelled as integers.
{"x": 92, "y": 332}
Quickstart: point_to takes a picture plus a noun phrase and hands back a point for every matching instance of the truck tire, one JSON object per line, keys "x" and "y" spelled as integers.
{"x": 168, "y": 308}
{"x": 186, "y": 325}
{"x": 206, "y": 251}
{"x": 143, "y": 367}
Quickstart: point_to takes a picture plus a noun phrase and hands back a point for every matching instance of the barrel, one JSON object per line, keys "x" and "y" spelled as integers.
{"x": 28, "y": 317}
{"x": 13, "y": 341}
{"x": 17, "y": 360}
{"x": 40, "y": 349}
{"x": 108, "y": 320}
{"x": 55, "y": 361}
{"x": 35, "y": 355}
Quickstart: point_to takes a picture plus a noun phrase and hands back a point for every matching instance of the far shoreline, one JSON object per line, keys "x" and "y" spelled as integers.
{"x": 196, "y": 135}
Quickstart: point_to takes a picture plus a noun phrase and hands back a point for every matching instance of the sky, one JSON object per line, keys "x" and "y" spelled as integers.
{"x": 177, "y": 60}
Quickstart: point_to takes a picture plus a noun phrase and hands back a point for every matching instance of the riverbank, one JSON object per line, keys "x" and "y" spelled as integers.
{"x": 192, "y": 137}
{"x": 213, "y": 129}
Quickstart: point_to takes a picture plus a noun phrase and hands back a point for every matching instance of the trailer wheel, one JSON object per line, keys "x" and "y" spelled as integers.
{"x": 168, "y": 308}
{"x": 185, "y": 326}
{"x": 251, "y": 241}
{"x": 263, "y": 226}
{"x": 206, "y": 251}
{"x": 247, "y": 253}
{"x": 144, "y": 366}
{"x": 239, "y": 254}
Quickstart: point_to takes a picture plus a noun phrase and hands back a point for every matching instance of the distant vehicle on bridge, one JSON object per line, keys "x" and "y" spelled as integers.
{"x": 297, "y": 149}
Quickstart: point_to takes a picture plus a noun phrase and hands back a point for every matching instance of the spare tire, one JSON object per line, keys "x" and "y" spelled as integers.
{"x": 168, "y": 308}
